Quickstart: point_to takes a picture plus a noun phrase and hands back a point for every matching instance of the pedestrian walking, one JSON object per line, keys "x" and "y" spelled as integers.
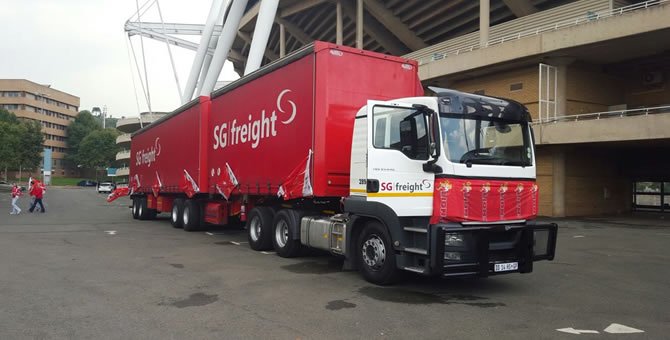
{"x": 16, "y": 193}
{"x": 37, "y": 191}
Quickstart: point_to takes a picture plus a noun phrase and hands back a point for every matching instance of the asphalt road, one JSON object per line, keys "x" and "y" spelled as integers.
{"x": 86, "y": 269}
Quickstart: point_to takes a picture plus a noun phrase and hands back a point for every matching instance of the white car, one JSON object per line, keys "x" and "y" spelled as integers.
{"x": 105, "y": 187}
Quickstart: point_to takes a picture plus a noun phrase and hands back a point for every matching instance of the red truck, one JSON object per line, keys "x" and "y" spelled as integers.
{"x": 336, "y": 148}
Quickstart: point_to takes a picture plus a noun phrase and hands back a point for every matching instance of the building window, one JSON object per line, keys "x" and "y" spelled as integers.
{"x": 516, "y": 87}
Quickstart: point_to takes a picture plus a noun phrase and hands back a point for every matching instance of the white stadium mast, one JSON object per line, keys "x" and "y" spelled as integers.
{"x": 216, "y": 38}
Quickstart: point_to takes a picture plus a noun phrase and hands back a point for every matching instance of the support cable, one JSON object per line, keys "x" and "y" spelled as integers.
{"x": 144, "y": 60}
{"x": 167, "y": 43}
{"x": 132, "y": 77}
{"x": 139, "y": 73}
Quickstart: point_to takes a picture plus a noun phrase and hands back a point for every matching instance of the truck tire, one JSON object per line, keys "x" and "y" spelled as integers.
{"x": 142, "y": 210}
{"x": 284, "y": 225}
{"x": 259, "y": 228}
{"x": 191, "y": 215}
{"x": 136, "y": 208}
{"x": 375, "y": 255}
{"x": 176, "y": 214}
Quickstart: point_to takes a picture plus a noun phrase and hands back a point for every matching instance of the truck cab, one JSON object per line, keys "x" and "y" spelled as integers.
{"x": 444, "y": 185}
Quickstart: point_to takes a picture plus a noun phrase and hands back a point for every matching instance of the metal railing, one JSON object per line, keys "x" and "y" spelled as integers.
{"x": 608, "y": 114}
{"x": 589, "y": 17}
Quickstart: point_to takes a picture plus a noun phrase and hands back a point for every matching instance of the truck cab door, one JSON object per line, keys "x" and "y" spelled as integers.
{"x": 398, "y": 148}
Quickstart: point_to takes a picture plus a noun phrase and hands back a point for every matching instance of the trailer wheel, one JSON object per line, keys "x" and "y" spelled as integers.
{"x": 285, "y": 223}
{"x": 136, "y": 208}
{"x": 259, "y": 225}
{"x": 376, "y": 258}
{"x": 142, "y": 210}
{"x": 191, "y": 215}
{"x": 176, "y": 214}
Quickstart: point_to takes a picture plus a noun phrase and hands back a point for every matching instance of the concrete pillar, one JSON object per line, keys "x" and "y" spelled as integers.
{"x": 338, "y": 25}
{"x": 484, "y": 19}
{"x": 561, "y": 90}
{"x": 558, "y": 183}
{"x": 561, "y": 64}
{"x": 264, "y": 21}
{"x": 359, "y": 24}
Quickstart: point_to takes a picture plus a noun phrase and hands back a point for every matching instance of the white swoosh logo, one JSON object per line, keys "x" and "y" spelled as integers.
{"x": 157, "y": 146}
{"x": 293, "y": 112}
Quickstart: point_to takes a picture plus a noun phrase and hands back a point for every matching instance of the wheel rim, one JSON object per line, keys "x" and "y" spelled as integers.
{"x": 374, "y": 252}
{"x": 140, "y": 210}
{"x": 186, "y": 216}
{"x": 255, "y": 228}
{"x": 175, "y": 211}
{"x": 135, "y": 208}
{"x": 281, "y": 233}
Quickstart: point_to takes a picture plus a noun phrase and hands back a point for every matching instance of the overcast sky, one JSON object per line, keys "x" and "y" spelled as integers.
{"x": 80, "y": 47}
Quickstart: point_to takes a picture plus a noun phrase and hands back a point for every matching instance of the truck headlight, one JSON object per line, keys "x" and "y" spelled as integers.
{"x": 453, "y": 240}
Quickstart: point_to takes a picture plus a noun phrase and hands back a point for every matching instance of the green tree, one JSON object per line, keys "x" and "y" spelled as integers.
{"x": 8, "y": 117}
{"x": 83, "y": 124}
{"x": 20, "y": 142}
{"x": 31, "y": 140}
{"x": 9, "y": 145}
{"x": 98, "y": 149}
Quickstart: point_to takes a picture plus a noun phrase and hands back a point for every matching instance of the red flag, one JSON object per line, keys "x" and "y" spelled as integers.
{"x": 158, "y": 185}
{"x": 298, "y": 183}
{"x": 134, "y": 183}
{"x": 188, "y": 185}
{"x": 227, "y": 183}
{"x": 119, "y": 192}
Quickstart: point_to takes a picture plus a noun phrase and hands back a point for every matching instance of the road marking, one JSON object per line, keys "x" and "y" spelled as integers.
{"x": 577, "y": 331}
{"x": 267, "y": 252}
{"x": 110, "y": 232}
{"x": 210, "y": 234}
{"x": 616, "y": 328}
{"x": 237, "y": 243}
{"x": 578, "y": 236}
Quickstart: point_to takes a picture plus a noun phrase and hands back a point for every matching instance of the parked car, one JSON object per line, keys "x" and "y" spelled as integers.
{"x": 87, "y": 183}
{"x": 4, "y": 186}
{"x": 107, "y": 187}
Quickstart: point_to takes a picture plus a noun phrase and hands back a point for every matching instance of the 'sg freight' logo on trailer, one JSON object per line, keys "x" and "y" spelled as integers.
{"x": 148, "y": 155}
{"x": 256, "y": 128}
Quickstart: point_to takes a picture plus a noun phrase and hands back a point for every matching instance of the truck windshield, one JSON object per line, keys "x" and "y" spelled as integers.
{"x": 478, "y": 140}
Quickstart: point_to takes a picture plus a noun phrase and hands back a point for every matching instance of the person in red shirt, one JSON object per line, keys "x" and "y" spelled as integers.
{"x": 16, "y": 193}
{"x": 38, "y": 192}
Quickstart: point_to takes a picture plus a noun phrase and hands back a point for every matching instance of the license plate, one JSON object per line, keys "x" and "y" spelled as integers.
{"x": 504, "y": 267}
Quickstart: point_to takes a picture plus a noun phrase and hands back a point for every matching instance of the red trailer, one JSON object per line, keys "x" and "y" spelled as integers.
{"x": 298, "y": 148}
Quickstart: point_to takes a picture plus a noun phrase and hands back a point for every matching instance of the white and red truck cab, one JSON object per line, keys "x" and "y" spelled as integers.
{"x": 334, "y": 148}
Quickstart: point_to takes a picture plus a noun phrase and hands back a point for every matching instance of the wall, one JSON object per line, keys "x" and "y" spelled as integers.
{"x": 589, "y": 89}
{"x": 499, "y": 85}
{"x": 595, "y": 183}
{"x": 545, "y": 170}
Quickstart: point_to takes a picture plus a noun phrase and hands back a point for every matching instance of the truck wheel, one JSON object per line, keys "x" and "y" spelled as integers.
{"x": 285, "y": 223}
{"x": 142, "y": 210}
{"x": 376, "y": 258}
{"x": 176, "y": 215}
{"x": 136, "y": 208}
{"x": 191, "y": 215}
{"x": 259, "y": 224}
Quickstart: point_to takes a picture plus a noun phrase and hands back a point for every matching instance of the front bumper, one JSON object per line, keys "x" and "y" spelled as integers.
{"x": 481, "y": 247}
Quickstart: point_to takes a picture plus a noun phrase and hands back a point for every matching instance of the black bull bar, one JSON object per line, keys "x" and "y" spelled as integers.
{"x": 484, "y": 246}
